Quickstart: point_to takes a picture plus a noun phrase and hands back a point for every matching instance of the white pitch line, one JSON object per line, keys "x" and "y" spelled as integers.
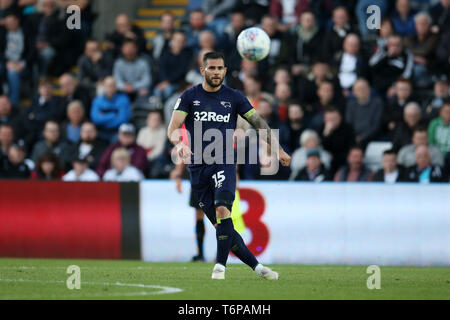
{"x": 161, "y": 289}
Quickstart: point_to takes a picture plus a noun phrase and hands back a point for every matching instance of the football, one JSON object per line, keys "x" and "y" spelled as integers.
{"x": 253, "y": 44}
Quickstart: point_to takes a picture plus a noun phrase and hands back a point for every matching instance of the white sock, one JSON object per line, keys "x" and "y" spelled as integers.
{"x": 258, "y": 268}
{"x": 219, "y": 267}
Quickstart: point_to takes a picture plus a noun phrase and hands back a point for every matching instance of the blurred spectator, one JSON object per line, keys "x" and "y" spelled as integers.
{"x": 407, "y": 154}
{"x": 423, "y": 46}
{"x": 337, "y": 137}
{"x": 125, "y": 30}
{"x": 81, "y": 171}
{"x": 52, "y": 40}
{"x": 440, "y": 14}
{"x": 308, "y": 140}
{"x": 283, "y": 94}
{"x": 207, "y": 40}
{"x": 217, "y": 12}
{"x": 71, "y": 129}
{"x": 16, "y": 55}
{"x": 386, "y": 30}
{"x": 314, "y": 170}
{"x": 89, "y": 147}
{"x": 307, "y": 40}
{"x": 174, "y": 65}
{"x": 355, "y": 170}
{"x": 362, "y": 15}
{"x": 194, "y": 75}
{"x": 252, "y": 89}
{"x": 14, "y": 166}
{"x": 94, "y": 65}
{"x": 231, "y": 32}
{"x": 364, "y": 113}
{"x": 44, "y": 107}
{"x": 389, "y": 63}
{"x": 235, "y": 79}
{"x": 439, "y": 129}
{"x": 254, "y": 10}
{"x": 334, "y": 38}
{"x": 6, "y": 7}
{"x": 170, "y": 103}
{"x": 424, "y": 171}
{"x": 403, "y": 132}
{"x": 47, "y": 168}
{"x": 160, "y": 42}
{"x": 127, "y": 140}
{"x": 13, "y": 117}
{"x": 314, "y": 112}
{"x": 391, "y": 171}
{"x": 51, "y": 142}
{"x": 6, "y": 140}
{"x": 441, "y": 92}
{"x": 286, "y": 12}
{"x": 402, "y": 95}
{"x": 443, "y": 53}
{"x": 266, "y": 111}
{"x": 349, "y": 62}
{"x": 197, "y": 24}
{"x": 403, "y": 18}
{"x": 122, "y": 170}
{"x": 153, "y": 139}
{"x": 291, "y": 130}
{"x": 72, "y": 90}
{"x": 110, "y": 110}
{"x": 132, "y": 72}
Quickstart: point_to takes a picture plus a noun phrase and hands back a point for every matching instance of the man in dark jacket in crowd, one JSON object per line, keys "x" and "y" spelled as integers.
{"x": 314, "y": 171}
{"x": 391, "y": 171}
{"x": 423, "y": 171}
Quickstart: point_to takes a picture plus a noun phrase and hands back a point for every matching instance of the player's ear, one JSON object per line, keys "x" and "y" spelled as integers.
{"x": 202, "y": 70}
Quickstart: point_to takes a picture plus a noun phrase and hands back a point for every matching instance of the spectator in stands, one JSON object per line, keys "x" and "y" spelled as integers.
{"x": 132, "y": 72}
{"x": 160, "y": 42}
{"x": 389, "y": 63}
{"x": 254, "y": 10}
{"x": 13, "y": 117}
{"x": 423, "y": 47}
{"x": 337, "y": 137}
{"x": 197, "y": 24}
{"x": 171, "y": 102}
{"x": 439, "y": 129}
{"x": 127, "y": 140}
{"x": 217, "y": 12}
{"x": 50, "y": 143}
{"x": 16, "y": 54}
{"x": 71, "y": 129}
{"x": 412, "y": 116}
{"x": 424, "y": 171}
{"x": 152, "y": 138}
{"x": 403, "y": 18}
{"x": 174, "y": 64}
{"x": 6, "y": 7}
{"x": 308, "y": 140}
{"x": 283, "y": 95}
{"x": 94, "y": 65}
{"x": 194, "y": 75}
{"x": 14, "y": 166}
{"x": 52, "y": 40}
{"x": 207, "y": 40}
{"x": 47, "y": 168}
{"x": 391, "y": 171}
{"x": 125, "y": 30}
{"x": 443, "y": 53}
{"x": 407, "y": 154}
{"x": 266, "y": 111}
{"x": 72, "y": 90}
{"x": 362, "y": 15}
{"x": 441, "y": 92}
{"x": 81, "y": 171}
{"x": 122, "y": 170}
{"x": 6, "y": 140}
{"x": 440, "y": 14}
{"x": 386, "y": 30}
{"x": 307, "y": 40}
{"x": 236, "y": 78}
{"x": 252, "y": 89}
{"x": 355, "y": 170}
{"x": 402, "y": 94}
{"x": 231, "y": 32}
{"x": 286, "y": 12}
{"x": 292, "y": 129}
{"x": 89, "y": 147}
{"x": 349, "y": 62}
{"x": 334, "y": 38}
{"x": 314, "y": 171}
{"x": 45, "y": 106}
{"x": 110, "y": 110}
{"x": 364, "y": 113}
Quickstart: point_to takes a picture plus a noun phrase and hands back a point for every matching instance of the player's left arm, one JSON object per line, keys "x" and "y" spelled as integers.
{"x": 272, "y": 142}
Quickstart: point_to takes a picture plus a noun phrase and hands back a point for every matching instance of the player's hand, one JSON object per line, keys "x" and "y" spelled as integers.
{"x": 183, "y": 151}
{"x": 176, "y": 176}
{"x": 284, "y": 158}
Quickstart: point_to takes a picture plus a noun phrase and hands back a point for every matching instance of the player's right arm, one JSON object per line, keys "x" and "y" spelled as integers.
{"x": 181, "y": 110}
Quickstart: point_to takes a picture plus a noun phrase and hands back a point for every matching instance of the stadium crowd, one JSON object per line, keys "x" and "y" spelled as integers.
{"x": 99, "y": 108}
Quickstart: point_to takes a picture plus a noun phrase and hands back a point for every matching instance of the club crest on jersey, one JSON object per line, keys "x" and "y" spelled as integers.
{"x": 226, "y": 104}
{"x": 196, "y": 103}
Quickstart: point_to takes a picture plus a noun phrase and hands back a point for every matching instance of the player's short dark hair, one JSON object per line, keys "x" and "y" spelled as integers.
{"x": 389, "y": 151}
{"x": 213, "y": 55}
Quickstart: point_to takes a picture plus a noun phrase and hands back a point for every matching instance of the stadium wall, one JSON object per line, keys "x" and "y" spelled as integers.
{"x": 286, "y": 222}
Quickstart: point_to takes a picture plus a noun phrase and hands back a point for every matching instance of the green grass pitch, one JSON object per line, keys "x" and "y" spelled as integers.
{"x": 119, "y": 279}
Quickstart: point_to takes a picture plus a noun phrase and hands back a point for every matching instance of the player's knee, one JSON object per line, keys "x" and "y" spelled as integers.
{"x": 199, "y": 214}
{"x": 222, "y": 212}
{"x": 224, "y": 199}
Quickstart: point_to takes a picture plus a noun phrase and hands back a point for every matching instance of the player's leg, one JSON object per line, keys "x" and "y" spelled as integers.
{"x": 199, "y": 226}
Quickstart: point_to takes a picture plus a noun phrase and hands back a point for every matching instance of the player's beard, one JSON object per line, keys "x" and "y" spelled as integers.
{"x": 210, "y": 82}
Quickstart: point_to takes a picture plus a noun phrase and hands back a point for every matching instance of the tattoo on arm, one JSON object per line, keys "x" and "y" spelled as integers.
{"x": 259, "y": 123}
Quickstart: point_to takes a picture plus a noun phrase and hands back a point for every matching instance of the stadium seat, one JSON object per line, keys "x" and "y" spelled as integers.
{"x": 374, "y": 154}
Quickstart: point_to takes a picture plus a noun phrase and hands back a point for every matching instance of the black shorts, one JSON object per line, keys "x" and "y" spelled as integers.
{"x": 193, "y": 201}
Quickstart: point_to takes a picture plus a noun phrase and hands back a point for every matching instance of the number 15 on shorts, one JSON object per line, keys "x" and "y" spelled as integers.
{"x": 219, "y": 178}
